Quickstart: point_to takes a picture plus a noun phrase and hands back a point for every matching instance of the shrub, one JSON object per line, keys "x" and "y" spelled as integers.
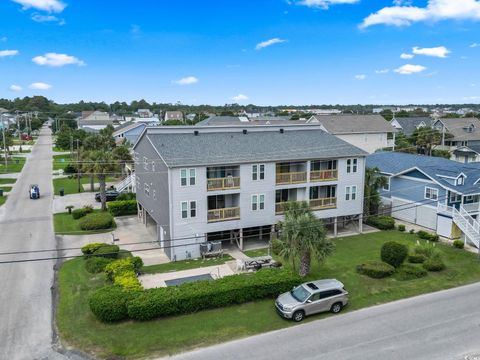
{"x": 381, "y": 222}
{"x": 70, "y": 169}
{"x": 128, "y": 281}
{"x": 92, "y": 247}
{"x": 427, "y": 236}
{"x": 376, "y": 269}
{"x": 276, "y": 246}
{"x": 118, "y": 267}
{"x": 416, "y": 258}
{"x": 97, "y": 221}
{"x": 401, "y": 227}
{"x": 95, "y": 265}
{"x": 78, "y": 213}
{"x": 434, "y": 263}
{"x": 458, "y": 244}
{"x": 192, "y": 297}
{"x": 126, "y": 196}
{"x": 425, "y": 250}
{"x": 109, "y": 303}
{"x": 125, "y": 207}
{"x": 412, "y": 231}
{"x": 107, "y": 251}
{"x": 410, "y": 272}
{"x": 394, "y": 253}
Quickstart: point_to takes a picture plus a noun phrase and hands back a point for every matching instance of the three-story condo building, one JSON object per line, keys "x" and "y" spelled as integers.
{"x": 200, "y": 184}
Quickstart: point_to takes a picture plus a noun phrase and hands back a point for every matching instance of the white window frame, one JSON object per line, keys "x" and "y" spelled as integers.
{"x": 460, "y": 180}
{"x": 261, "y": 171}
{"x": 190, "y": 177}
{"x": 387, "y": 186}
{"x": 433, "y": 193}
{"x": 254, "y": 202}
{"x": 186, "y": 209}
{"x": 182, "y": 211}
{"x": 146, "y": 189}
{"x": 455, "y": 198}
{"x": 258, "y": 172}
{"x": 183, "y": 177}
{"x": 255, "y": 172}
{"x": 192, "y": 209}
{"x": 352, "y": 165}
{"x": 258, "y": 202}
{"x": 351, "y": 193}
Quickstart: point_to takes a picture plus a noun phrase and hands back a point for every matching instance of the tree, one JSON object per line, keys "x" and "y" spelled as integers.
{"x": 100, "y": 164}
{"x": 373, "y": 181}
{"x": 122, "y": 155}
{"x": 8, "y": 141}
{"x": 303, "y": 237}
{"x": 425, "y": 139}
{"x": 403, "y": 144}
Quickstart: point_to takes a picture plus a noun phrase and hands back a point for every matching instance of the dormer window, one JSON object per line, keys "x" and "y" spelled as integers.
{"x": 460, "y": 180}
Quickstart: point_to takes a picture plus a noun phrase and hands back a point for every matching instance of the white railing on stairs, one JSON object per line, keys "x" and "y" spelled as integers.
{"x": 469, "y": 226}
{"x": 129, "y": 181}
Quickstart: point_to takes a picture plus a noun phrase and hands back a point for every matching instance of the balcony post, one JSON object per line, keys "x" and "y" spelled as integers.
{"x": 360, "y": 223}
{"x": 241, "y": 239}
{"x": 335, "y": 227}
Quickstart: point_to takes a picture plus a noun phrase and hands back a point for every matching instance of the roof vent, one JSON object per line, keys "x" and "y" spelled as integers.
{"x": 195, "y": 133}
{"x": 282, "y": 131}
{"x": 244, "y": 131}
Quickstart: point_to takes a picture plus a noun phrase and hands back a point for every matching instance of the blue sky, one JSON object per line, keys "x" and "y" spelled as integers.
{"x": 265, "y": 52}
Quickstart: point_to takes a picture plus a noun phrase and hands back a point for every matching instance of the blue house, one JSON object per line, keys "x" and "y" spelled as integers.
{"x": 436, "y": 193}
{"x": 129, "y": 132}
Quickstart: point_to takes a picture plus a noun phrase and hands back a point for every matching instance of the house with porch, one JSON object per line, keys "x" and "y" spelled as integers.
{"x": 230, "y": 184}
{"x": 436, "y": 193}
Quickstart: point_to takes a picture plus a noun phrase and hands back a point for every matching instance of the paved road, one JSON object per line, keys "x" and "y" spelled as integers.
{"x": 25, "y": 295}
{"x": 443, "y": 325}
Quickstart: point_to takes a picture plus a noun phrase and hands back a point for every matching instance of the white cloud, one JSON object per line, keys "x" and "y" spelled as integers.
{"x": 57, "y": 60}
{"x": 382, "y": 71}
{"x": 270, "y": 42}
{"x": 360, "y": 77}
{"x": 324, "y": 4}
{"x": 189, "y": 80}
{"x": 240, "y": 97}
{"x": 474, "y": 45}
{"x": 407, "y": 56}
{"x": 40, "y": 86}
{"x": 15, "y": 88}
{"x": 440, "y": 51}
{"x": 436, "y": 10}
{"x": 47, "y": 18}
{"x": 45, "y": 5}
{"x": 410, "y": 69}
{"x": 5, "y": 53}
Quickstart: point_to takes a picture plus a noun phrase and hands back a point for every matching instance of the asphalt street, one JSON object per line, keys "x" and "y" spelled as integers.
{"x": 439, "y": 326}
{"x": 25, "y": 296}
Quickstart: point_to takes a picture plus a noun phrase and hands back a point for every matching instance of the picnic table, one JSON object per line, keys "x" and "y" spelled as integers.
{"x": 258, "y": 262}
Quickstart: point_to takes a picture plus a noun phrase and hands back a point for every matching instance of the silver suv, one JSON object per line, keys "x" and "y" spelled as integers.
{"x": 311, "y": 298}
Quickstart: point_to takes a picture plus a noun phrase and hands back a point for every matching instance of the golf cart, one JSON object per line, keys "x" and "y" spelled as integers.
{"x": 34, "y": 192}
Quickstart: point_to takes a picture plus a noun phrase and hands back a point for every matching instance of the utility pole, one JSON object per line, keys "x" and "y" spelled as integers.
{"x": 4, "y": 144}
{"x": 78, "y": 166}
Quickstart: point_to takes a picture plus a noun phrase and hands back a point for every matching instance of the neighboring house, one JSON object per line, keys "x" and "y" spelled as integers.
{"x": 368, "y": 132}
{"x": 144, "y": 113}
{"x": 436, "y": 193}
{"x": 173, "y": 115}
{"x": 216, "y": 120}
{"x": 199, "y": 184}
{"x": 408, "y": 125}
{"x": 129, "y": 132}
{"x": 94, "y": 121}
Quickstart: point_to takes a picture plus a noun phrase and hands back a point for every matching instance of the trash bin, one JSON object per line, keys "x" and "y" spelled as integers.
{"x": 61, "y": 191}
{"x": 1, "y": 192}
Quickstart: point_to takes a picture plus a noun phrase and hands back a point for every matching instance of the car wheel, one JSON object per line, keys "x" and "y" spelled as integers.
{"x": 336, "y": 308}
{"x": 298, "y": 316}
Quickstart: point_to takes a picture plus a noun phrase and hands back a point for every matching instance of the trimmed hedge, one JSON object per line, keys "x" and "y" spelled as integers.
{"x": 126, "y": 196}
{"x": 107, "y": 251}
{"x": 109, "y": 303}
{"x": 416, "y": 258}
{"x": 120, "y": 208}
{"x": 79, "y": 213}
{"x": 394, "y": 253}
{"x": 410, "y": 272}
{"x": 376, "y": 269}
{"x": 459, "y": 244}
{"x": 401, "y": 228}
{"x": 425, "y": 250}
{"x": 96, "y": 265}
{"x": 428, "y": 236}
{"x": 202, "y": 295}
{"x": 89, "y": 249}
{"x": 97, "y": 221}
{"x": 123, "y": 272}
{"x": 381, "y": 222}
{"x": 434, "y": 264}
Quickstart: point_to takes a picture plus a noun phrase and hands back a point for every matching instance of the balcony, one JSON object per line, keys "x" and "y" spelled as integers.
{"x": 291, "y": 178}
{"x": 323, "y": 203}
{"x": 225, "y": 214}
{"x": 280, "y": 207}
{"x": 225, "y": 183}
{"x": 324, "y": 175}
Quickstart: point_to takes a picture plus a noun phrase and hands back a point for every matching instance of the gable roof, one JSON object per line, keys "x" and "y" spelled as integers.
{"x": 436, "y": 168}
{"x": 179, "y": 146}
{"x": 127, "y": 127}
{"x": 410, "y": 124}
{"x": 458, "y": 128}
{"x": 353, "y": 124}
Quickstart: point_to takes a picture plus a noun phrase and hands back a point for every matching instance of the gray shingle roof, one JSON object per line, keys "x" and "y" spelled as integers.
{"x": 458, "y": 128}
{"x": 410, "y": 124}
{"x": 395, "y": 162}
{"x": 354, "y": 124}
{"x": 216, "y": 148}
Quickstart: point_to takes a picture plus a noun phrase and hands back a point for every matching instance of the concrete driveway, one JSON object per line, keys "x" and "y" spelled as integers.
{"x": 77, "y": 200}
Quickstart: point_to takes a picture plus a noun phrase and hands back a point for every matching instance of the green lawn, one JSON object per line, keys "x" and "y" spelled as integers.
{"x": 79, "y": 328}
{"x": 7, "y": 181}
{"x": 15, "y": 165}
{"x": 57, "y": 149}
{"x": 23, "y": 142}
{"x": 185, "y": 265}
{"x": 3, "y": 199}
{"x": 60, "y": 161}
{"x": 256, "y": 252}
{"x": 6, "y": 188}
{"x": 64, "y": 223}
{"x": 70, "y": 185}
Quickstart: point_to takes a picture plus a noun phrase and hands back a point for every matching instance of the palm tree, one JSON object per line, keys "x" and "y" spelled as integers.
{"x": 100, "y": 164}
{"x": 373, "y": 181}
{"x": 303, "y": 237}
{"x": 122, "y": 155}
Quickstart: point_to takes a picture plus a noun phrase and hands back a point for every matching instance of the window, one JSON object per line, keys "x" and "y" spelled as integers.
{"x": 189, "y": 207}
{"x": 431, "y": 193}
{"x": 183, "y": 177}
{"x": 351, "y": 193}
{"x": 460, "y": 180}
{"x": 455, "y": 198}
{"x": 386, "y": 187}
{"x": 192, "y": 176}
{"x": 258, "y": 202}
{"x": 352, "y": 165}
{"x": 258, "y": 172}
{"x": 329, "y": 293}
{"x": 146, "y": 187}
{"x": 145, "y": 163}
